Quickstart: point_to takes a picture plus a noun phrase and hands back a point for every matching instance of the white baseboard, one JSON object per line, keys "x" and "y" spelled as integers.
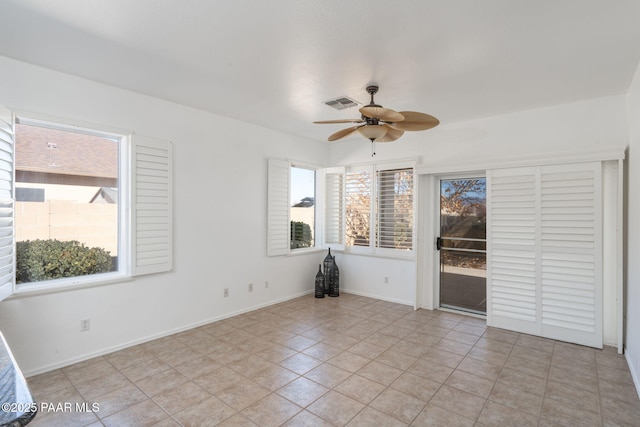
{"x": 365, "y": 294}
{"x": 112, "y": 349}
{"x": 634, "y": 373}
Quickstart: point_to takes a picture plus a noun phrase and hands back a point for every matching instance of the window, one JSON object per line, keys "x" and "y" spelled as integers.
{"x": 302, "y": 211}
{"x": 98, "y": 203}
{"x": 379, "y": 212}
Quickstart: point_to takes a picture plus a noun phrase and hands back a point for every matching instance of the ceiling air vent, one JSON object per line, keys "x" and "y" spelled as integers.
{"x": 342, "y": 102}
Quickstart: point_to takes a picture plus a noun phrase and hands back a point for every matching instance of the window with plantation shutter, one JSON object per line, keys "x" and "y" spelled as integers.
{"x": 152, "y": 195}
{"x": 358, "y": 193}
{"x": 395, "y": 209}
{"x": 7, "y": 255}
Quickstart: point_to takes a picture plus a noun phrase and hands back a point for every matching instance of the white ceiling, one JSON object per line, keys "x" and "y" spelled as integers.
{"x": 274, "y": 62}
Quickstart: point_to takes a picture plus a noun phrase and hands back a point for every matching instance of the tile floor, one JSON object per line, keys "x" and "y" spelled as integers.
{"x": 352, "y": 361}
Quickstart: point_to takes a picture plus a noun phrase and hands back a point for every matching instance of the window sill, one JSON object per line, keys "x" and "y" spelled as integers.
{"x": 399, "y": 256}
{"x": 63, "y": 285}
{"x": 305, "y": 251}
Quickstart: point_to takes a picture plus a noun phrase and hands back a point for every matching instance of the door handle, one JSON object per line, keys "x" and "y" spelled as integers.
{"x": 438, "y": 243}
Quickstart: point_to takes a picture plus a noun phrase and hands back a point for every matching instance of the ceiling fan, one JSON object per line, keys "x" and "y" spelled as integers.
{"x": 379, "y": 124}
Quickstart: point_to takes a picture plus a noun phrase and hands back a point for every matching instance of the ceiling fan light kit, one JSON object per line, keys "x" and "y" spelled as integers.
{"x": 380, "y": 124}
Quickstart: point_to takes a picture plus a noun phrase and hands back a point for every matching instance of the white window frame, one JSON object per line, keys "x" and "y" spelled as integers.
{"x": 131, "y": 260}
{"x": 372, "y": 248}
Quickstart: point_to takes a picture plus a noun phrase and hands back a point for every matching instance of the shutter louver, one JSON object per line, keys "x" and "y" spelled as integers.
{"x": 334, "y": 208}
{"x": 152, "y": 200}
{"x": 278, "y": 211}
{"x": 7, "y": 251}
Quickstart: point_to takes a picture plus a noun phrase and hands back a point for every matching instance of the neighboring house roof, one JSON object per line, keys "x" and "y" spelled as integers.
{"x": 52, "y": 151}
{"x": 105, "y": 195}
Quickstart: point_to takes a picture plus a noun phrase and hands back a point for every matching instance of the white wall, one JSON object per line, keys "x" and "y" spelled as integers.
{"x": 632, "y": 227}
{"x": 219, "y": 162}
{"x": 587, "y": 125}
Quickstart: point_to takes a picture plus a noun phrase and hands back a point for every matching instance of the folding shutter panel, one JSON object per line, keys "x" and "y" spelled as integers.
{"x": 278, "y": 211}
{"x": 7, "y": 256}
{"x": 334, "y": 208}
{"x": 511, "y": 243}
{"x": 152, "y": 195}
{"x": 544, "y": 251}
{"x": 571, "y": 253}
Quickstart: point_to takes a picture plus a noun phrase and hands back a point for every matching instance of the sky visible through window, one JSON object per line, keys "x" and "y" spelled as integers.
{"x": 302, "y": 184}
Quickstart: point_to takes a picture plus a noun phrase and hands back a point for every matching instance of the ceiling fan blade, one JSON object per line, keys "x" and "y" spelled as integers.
{"x": 415, "y": 121}
{"x": 342, "y": 133}
{"x": 381, "y": 113}
{"x": 391, "y": 135}
{"x": 326, "y": 122}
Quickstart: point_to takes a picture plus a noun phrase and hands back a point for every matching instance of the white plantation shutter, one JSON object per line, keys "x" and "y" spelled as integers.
{"x": 511, "y": 256}
{"x": 334, "y": 208}
{"x": 394, "y": 219}
{"x": 7, "y": 251}
{"x": 152, "y": 195}
{"x": 278, "y": 210}
{"x": 358, "y": 195}
{"x": 544, "y": 257}
{"x": 571, "y": 257}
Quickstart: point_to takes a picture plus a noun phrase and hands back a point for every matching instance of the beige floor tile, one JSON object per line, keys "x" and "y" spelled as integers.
{"x": 322, "y": 351}
{"x": 516, "y": 398}
{"x": 555, "y": 410}
{"x": 237, "y": 420}
{"x": 275, "y": 353}
{"x": 89, "y": 370}
{"x": 300, "y": 363}
{"x": 370, "y": 417}
{"x": 495, "y": 345}
{"x": 502, "y": 335}
{"x": 336, "y": 408}
{"x": 53, "y": 412}
{"x": 480, "y": 368}
{"x": 360, "y": 389}
{"x": 458, "y": 401}
{"x": 194, "y": 368}
{"x": 367, "y": 350}
{"x": 299, "y": 342}
{"x": 416, "y": 386}
{"x": 462, "y": 337}
{"x": 273, "y": 410}
{"x": 120, "y": 399}
{"x": 43, "y": 384}
{"x": 129, "y": 356}
{"x": 151, "y": 367}
{"x": 302, "y": 391}
{"x": 92, "y": 390}
{"x": 399, "y": 405}
{"x": 430, "y": 370}
{"x": 274, "y": 377}
{"x": 161, "y": 382}
{"x": 433, "y": 415}
{"x": 470, "y": 383}
{"x": 145, "y": 413}
{"x": 527, "y": 366}
{"x": 380, "y": 373}
{"x": 495, "y": 414}
{"x": 242, "y": 394}
{"x": 209, "y": 412}
{"x": 181, "y": 397}
{"x": 307, "y": 419}
{"x": 177, "y": 356}
{"x": 517, "y": 379}
{"x": 250, "y": 366}
{"x": 396, "y": 359}
{"x": 488, "y": 355}
{"x": 328, "y": 375}
{"x": 572, "y": 397}
{"x": 349, "y": 361}
{"x": 218, "y": 380}
{"x": 443, "y": 357}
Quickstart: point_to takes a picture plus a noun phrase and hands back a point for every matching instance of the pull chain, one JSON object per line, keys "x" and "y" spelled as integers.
{"x": 373, "y": 148}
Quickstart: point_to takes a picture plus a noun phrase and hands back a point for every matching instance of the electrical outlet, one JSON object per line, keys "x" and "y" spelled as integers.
{"x": 226, "y": 292}
{"x": 85, "y": 325}
{"x": 250, "y": 287}
{"x": 386, "y": 280}
{"x": 266, "y": 284}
